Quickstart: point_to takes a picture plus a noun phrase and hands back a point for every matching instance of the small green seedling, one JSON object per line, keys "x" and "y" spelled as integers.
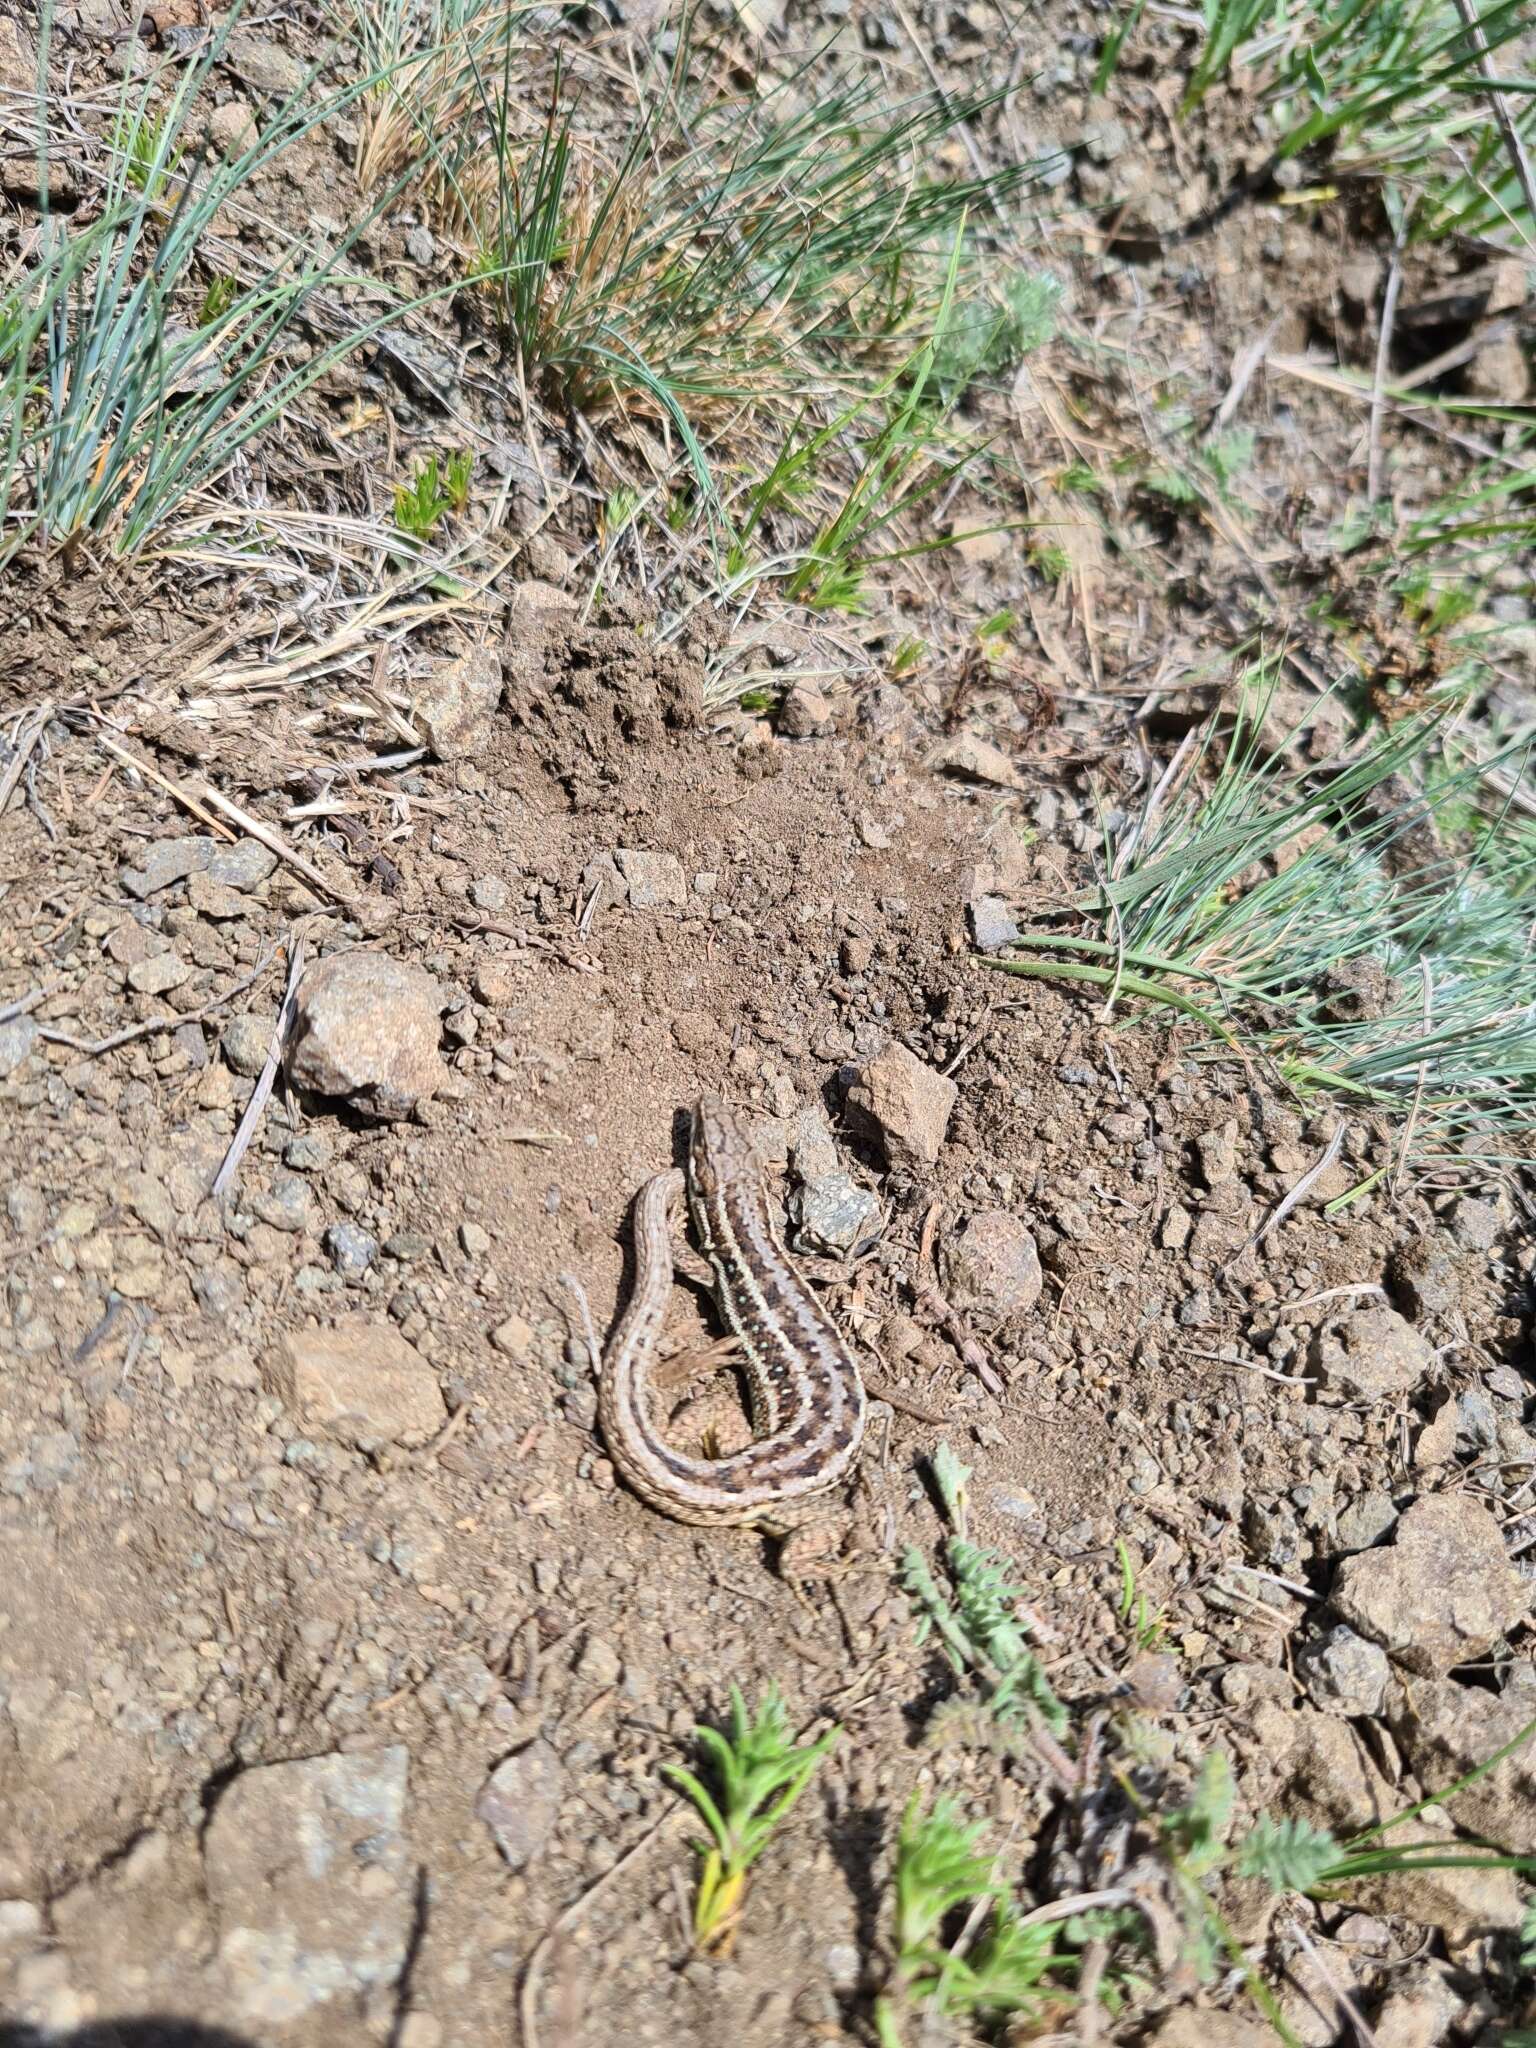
{"x": 758, "y": 1772}
{"x": 141, "y": 141}
{"x": 421, "y": 505}
{"x": 1147, "y": 1626}
{"x": 217, "y": 300}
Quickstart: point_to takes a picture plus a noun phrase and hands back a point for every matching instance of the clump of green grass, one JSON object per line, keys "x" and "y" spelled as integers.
{"x": 1402, "y": 92}
{"x": 1239, "y": 900}
{"x": 134, "y": 368}
{"x": 757, "y": 1772}
{"x": 433, "y": 492}
{"x": 729, "y": 256}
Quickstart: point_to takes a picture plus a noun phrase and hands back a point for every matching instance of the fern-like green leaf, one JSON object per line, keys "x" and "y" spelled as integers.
{"x": 1290, "y": 1855}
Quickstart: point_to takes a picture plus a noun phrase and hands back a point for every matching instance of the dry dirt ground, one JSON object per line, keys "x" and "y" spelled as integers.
{"x": 335, "y": 1667}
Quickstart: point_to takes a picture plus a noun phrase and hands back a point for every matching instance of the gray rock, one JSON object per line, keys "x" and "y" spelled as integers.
{"x": 456, "y": 701}
{"x": 993, "y": 924}
{"x": 489, "y": 892}
{"x": 812, "y": 1146}
{"x": 1477, "y": 1422}
{"x": 992, "y": 1266}
{"x": 352, "y": 1250}
{"x": 285, "y": 1205}
{"x": 1424, "y": 1278}
{"x": 245, "y": 1042}
{"x": 1442, "y": 1594}
{"x": 165, "y": 862}
{"x": 244, "y": 866}
{"x": 361, "y": 1381}
{"x": 1367, "y": 1520}
{"x": 311, "y": 1882}
{"x": 806, "y": 709}
{"x": 1217, "y": 1153}
{"x": 655, "y": 880}
{"x": 420, "y": 247}
{"x": 1372, "y": 1355}
{"x": 904, "y": 1106}
{"x": 232, "y": 128}
{"x": 17, "y": 1038}
{"x": 1448, "y": 1729}
{"x": 262, "y": 64}
{"x": 159, "y": 974}
{"x": 1343, "y": 1673}
{"x": 520, "y": 1802}
{"x": 835, "y": 1214}
{"x": 1475, "y": 1225}
{"x": 367, "y": 1027}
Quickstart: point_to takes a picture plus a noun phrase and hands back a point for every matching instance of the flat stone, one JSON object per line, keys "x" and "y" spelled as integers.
{"x": 158, "y": 974}
{"x": 974, "y": 759}
{"x": 992, "y": 1266}
{"x": 655, "y": 881}
{"x": 455, "y": 702}
{"x": 263, "y": 65}
{"x": 361, "y": 1380}
{"x": 1442, "y": 1594}
{"x": 164, "y": 862}
{"x": 214, "y": 899}
{"x": 1372, "y": 1355}
{"x": 1424, "y": 1278}
{"x": 285, "y": 1205}
{"x": 244, "y": 866}
{"x": 367, "y": 1027}
{"x": 312, "y": 1883}
{"x": 904, "y": 1106}
{"x": 520, "y": 1802}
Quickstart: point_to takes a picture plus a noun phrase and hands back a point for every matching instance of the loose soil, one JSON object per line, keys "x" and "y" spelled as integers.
{"x": 197, "y": 1584}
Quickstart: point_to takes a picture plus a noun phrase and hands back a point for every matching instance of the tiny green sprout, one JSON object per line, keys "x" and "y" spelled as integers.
{"x": 1078, "y": 478}
{"x": 758, "y": 702}
{"x": 998, "y": 627}
{"x": 140, "y": 140}
{"x": 1146, "y": 1627}
{"x": 217, "y": 300}
{"x": 619, "y": 512}
{"x": 1052, "y": 562}
{"x": 758, "y": 1771}
{"x": 906, "y": 656}
{"x": 421, "y": 505}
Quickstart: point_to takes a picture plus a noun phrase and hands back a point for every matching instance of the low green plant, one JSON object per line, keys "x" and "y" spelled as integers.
{"x": 433, "y": 492}
{"x": 757, "y": 1772}
{"x": 976, "y": 1622}
{"x": 148, "y": 148}
{"x": 1009, "y": 1968}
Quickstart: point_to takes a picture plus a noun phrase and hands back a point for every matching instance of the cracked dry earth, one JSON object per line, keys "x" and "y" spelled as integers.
{"x": 334, "y": 1666}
